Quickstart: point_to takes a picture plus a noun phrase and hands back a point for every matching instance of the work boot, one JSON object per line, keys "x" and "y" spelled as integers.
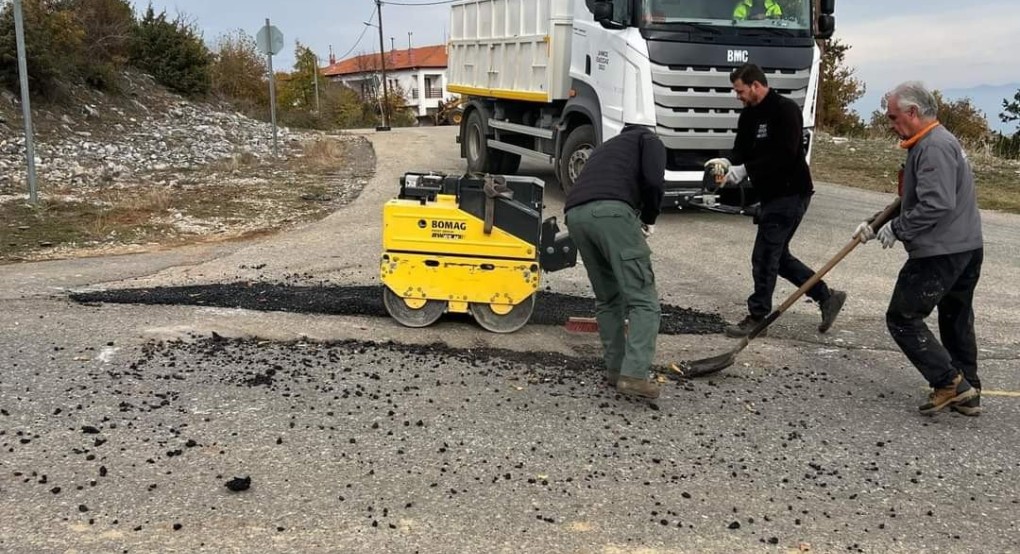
{"x": 744, "y": 328}
{"x": 830, "y": 309}
{"x": 637, "y": 387}
{"x": 958, "y": 391}
{"x": 970, "y": 407}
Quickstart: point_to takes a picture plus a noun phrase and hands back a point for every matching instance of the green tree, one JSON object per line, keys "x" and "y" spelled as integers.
{"x": 53, "y": 40}
{"x": 299, "y": 90}
{"x": 837, "y": 90}
{"x": 108, "y": 27}
{"x": 879, "y": 124}
{"x": 238, "y": 72}
{"x": 400, "y": 114}
{"x": 1011, "y": 110}
{"x": 962, "y": 118}
{"x": 172, "y": 52}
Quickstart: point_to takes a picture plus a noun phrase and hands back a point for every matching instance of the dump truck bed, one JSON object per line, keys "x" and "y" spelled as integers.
{"x": 510, "y": 49}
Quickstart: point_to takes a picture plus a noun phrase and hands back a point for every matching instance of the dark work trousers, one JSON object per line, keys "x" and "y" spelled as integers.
{"x": 618, "y": 261}
{"x": 778, "y": 220}
{"x": 946, "y": 282}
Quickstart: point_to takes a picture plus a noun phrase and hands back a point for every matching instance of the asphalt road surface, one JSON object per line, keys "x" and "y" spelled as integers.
{"x": 121, "y": 423}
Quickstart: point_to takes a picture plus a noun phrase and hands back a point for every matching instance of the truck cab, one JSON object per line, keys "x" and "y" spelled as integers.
{"x": 664, "y": 64}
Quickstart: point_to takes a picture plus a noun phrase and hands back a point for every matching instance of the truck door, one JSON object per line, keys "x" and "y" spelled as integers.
{"x": 601, "y": 58}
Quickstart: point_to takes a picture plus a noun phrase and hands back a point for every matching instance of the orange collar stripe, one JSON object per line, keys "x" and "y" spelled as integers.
{"x": 920, "y": 135}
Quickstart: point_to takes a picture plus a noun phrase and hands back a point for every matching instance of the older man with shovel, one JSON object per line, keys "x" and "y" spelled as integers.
{"x": 940, "y": 226}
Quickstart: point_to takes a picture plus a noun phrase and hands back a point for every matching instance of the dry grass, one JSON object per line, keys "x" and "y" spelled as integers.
{"x": 121, "y": 209}
{"x": 142, "y": 214}
{"x": 234, "y": 163}
{"x": 324, "y": 154}
{"x": 872, "y": 163}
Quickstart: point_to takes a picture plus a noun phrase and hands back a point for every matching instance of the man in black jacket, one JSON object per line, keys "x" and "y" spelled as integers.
{"x": 610, "y": 212}
{"x": 770, "y": 151}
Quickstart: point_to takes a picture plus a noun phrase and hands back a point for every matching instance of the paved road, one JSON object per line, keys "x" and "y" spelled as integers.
{"x": 399, "y": 445}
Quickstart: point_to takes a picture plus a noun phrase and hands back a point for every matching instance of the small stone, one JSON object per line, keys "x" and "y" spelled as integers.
{"x": 238, "y": 484}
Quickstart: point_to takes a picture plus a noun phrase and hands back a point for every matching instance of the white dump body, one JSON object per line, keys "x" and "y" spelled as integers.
{"x": 511, "y": 49}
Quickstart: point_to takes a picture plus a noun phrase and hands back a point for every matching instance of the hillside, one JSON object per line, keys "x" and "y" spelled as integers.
{"x": 147, "y": 167}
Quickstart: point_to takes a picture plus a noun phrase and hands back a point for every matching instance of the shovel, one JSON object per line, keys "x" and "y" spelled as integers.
{"x": 717, "y": 363}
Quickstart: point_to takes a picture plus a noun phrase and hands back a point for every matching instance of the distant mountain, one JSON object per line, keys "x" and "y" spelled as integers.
{"x": 987, "y": 98}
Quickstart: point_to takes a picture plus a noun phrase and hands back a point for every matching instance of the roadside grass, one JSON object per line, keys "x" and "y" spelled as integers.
{"x": 320, "y": 155}
{"x": 873, "y": 163}
{"x": 236, "y": 162}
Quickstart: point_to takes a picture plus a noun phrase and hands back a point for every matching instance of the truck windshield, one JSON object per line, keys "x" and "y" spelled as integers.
{"x": 748, "y": 17}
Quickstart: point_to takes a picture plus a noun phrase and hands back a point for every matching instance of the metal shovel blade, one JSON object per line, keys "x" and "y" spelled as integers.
{"x": 711, "y": 365}
{"x": 707, "y": 366}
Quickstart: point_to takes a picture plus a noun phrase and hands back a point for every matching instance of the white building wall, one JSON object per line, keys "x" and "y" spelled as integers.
{"x": 424, "y": 89}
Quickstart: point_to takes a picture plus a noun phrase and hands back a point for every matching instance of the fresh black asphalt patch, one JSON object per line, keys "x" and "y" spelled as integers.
{"x": 551, "y": 308}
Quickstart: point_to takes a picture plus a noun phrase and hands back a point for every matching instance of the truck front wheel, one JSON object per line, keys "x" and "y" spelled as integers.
{"x": 576, "y": 149}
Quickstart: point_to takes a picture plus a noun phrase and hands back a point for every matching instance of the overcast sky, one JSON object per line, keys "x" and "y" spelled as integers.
{"x": 948, "y": 44}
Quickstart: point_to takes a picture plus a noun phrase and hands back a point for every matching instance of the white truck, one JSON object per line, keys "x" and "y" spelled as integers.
{"x": 552, "y": 79}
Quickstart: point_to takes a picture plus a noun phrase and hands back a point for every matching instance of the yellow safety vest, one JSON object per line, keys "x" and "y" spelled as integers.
{"x": 743, "y": 9}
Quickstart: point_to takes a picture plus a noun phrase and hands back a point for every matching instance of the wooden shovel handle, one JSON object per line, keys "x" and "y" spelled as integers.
{"x": 881, "y": 219}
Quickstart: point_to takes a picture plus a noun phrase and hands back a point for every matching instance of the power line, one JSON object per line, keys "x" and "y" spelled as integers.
{"x": 436, "y": 3}
{"x": 361, "y": 36}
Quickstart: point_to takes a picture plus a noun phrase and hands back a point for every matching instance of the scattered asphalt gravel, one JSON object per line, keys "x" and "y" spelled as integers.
{"x": 551, "y": 308}
{"x": 397, "y": 440}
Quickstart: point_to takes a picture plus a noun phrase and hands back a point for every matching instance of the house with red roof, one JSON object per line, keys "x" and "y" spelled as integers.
{"x": 420, "y": 73}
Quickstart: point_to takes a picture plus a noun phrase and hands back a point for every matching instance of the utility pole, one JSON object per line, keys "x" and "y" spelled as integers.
{"x": 315, "y": 79}
{"x": 385, "y": 87}
{"x": 391, "y": 44}
{"x": 409, "y": 33}
{"x": 26, "y": 105}
{"x": 272, "y": 91}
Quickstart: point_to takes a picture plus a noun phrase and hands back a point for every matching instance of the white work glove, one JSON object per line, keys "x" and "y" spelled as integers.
{"x": 736, "y": 174}
{"x": 886, "y": 235}
{"x": 865, "y": 232}
{"x": 648, "y": 230}
{"x": 717, "y": 168}
{"x": 719, "y": 162}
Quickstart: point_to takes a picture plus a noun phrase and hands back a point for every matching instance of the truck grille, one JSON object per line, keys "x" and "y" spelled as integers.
{"x": 695, "y": 108}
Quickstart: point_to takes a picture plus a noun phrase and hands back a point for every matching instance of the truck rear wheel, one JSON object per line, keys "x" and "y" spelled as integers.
{"x": 576, "y": 149}
{"x": 477, "y": 153}
{"x": 481, "y": 158}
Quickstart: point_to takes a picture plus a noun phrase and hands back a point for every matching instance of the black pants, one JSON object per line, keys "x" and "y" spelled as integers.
{"x": 946, "y": 282}
{"x": 777, "y": 221}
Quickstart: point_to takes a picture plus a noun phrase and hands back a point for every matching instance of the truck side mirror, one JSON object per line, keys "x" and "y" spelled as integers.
{"x": 826, "y": 26}
{"x": 827, "y": 7}
{"x": 602, "y": 11}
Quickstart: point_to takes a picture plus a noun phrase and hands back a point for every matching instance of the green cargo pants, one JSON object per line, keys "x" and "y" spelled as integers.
{"x": 618, "y": 261}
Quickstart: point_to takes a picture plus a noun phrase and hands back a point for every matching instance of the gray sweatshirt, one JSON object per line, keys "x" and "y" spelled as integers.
{"x": 939, "y": 214}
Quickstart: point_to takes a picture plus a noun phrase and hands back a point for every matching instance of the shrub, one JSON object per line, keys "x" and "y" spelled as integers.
{"x": 172, "y": 52}
{"x": 108, "y": 27}
{"x": 52, "y": 37}
{"x": 238, "y": 72}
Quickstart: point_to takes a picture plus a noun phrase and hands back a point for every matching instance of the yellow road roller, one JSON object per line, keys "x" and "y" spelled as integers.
{"x": 473, "y": 243}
